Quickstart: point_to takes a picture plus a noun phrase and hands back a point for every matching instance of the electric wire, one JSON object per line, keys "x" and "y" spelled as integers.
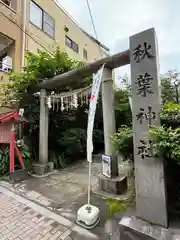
{"x": 45, "y": 48}
{"x": 93, "y": 25}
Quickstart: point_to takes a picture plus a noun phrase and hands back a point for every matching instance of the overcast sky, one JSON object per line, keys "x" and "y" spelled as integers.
{"x": 116, "y": 20}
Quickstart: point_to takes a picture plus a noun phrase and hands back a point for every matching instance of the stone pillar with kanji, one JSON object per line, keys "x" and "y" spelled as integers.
{"x": 146, "y": 105}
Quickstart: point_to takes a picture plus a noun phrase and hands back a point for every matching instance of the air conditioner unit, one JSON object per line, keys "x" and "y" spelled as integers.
{"x": 7, "y": 64}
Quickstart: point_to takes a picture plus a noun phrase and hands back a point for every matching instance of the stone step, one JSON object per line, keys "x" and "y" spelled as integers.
{"x": 131, "y": 227}
{"x": 127, "y": 196}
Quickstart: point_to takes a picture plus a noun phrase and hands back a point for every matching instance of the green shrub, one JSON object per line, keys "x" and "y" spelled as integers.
{"x": 123, "y": 142}
{"x": 72, "y": 146}
{"x": 58, "y": 158}
{"x": 4, "y": 157}
{"x": 166, "y": 138}
{"x": 4, "y": 161}
{"x": 26, "y": 154}
{"x": 170, "y": 115}
{"x": 166, "y": 142}
{"x": 73, "y": 143}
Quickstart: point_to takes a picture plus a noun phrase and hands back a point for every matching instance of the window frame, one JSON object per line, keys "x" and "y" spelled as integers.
{"x": 1, "y": 58}
{"x": 73, "y": 45}
{"x": 68, "y": 42}
{"x": 85, "y": 54}
{"x": 41, "y": 28}
{"x": 46, "y": 22}
{"x": 43, "y": 21}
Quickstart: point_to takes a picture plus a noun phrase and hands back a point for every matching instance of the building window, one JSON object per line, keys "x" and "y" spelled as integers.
{"x": 85, "y": 54}
{"x": 42, "y": 20}
{"x": 36, "y": 15}
{"x": 48, "y": 25}
{"x": 1, "y": 60}
{"x": 6, "y": 63}
{"x": 71, "y": 44}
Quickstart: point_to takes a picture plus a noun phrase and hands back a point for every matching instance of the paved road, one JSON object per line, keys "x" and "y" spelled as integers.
{"x": 17, "y": 221}
{"x": 22, "y": 219}
{"x": 63, "y": 193}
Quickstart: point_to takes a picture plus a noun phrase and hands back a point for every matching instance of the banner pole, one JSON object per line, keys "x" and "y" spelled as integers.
{"x": 88, "y": 215}
{"x": 89, "y": 183}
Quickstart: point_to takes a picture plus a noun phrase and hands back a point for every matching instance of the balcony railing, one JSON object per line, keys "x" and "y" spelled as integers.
{"x": 12, "y": 4}
{"x": 7, "y": 2}
{"x": 9, "y": 10}
{"x": 6, "y": 65}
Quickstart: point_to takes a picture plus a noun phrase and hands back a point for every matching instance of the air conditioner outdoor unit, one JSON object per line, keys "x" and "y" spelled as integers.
{"x": 7, "y": 64}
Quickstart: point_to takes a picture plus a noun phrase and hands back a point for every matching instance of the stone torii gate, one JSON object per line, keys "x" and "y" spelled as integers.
{"x": 149, "y": 171}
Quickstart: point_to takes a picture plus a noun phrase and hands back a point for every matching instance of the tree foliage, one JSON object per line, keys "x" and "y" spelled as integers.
{"x": 166, "y": 143}
{"x": 122, "y": 141}
{"x": 39, "y": 67}
{"x": 170, "y": 83}
{"x": 67, "y": 130}
{"x": 170, "y": 115}
{"x": 122, "y": 108}
{"x": 64, "y": 127}
{"x": 162, "y": 136}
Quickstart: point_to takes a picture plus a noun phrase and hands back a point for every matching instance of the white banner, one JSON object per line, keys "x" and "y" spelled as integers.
{"x": 97, "y": 78}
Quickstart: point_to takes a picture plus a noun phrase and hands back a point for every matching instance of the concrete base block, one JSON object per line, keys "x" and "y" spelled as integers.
{"x": 127, "y": 196}
{"x": 42, "y": 169}
{"x": 51, "y": 166}
{"x": 115, "y": 185}
{"x": 132, "y": 228}
{"x": 18, "y": 175}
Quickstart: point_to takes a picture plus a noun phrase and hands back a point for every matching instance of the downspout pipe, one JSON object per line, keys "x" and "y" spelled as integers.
{"x": 24, "y": 33}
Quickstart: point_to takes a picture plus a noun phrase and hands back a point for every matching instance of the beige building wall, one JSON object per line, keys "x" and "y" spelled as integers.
{"x": 62, "y": 21}
{"x": 10, "y": 24}
{"x": 12, "y": 27}
{"x": 10, "y": 19}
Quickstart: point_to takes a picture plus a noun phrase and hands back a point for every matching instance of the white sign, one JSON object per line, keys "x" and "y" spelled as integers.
{"x": 92, "y": 110}
{"x": 106, "y": 166}
{"x": 21, "y": 112}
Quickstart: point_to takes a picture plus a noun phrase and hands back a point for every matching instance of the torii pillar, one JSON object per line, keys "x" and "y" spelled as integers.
{"x": 108, "y": 110}
{"x": 115, "y": 184}
{"x": 43, "y": 166}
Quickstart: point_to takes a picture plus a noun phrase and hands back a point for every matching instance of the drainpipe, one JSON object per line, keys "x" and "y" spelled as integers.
{"x": 24, "y": 32}
{"x": 23, "y": 50}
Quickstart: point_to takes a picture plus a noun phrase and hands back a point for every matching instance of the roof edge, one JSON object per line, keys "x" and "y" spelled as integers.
{"x": 78, "y": 25}
{"x": 96, "y": 40}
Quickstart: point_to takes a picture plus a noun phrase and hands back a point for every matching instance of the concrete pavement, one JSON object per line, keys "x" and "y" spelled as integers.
{"x": 64, "y": 192}
{"x": 19, "y": 221}
{"x": 60, "y": 195}
{"x": 24, "y": 219}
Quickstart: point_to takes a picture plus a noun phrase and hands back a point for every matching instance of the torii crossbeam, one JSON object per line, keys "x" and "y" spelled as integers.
{"x": 111, "y": 62}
